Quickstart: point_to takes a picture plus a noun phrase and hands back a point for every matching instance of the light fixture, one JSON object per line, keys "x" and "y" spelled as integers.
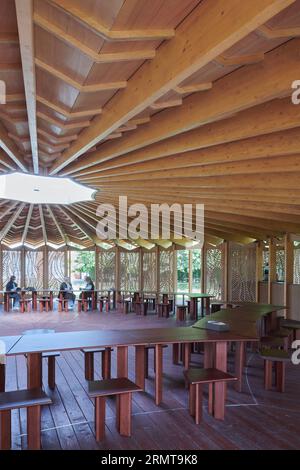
{"x": 35, "y": 189}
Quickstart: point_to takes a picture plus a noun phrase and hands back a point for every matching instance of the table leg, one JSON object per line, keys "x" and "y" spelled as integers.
{"x": 208, "y": 306}
{"x": 140, "y": 366}
{"x": 220, "y": 387}
{"x": 239, "y": 364}
{"x": 187, "y": 356}
{"x": 158, "y": 373}
{"x": 5, "y": 430}
{"x": 34, "y": 380}
{"x": 2, "y": 377}
{"x": 122, "y": 361}
{"x": 209, "y": 353}
{"x": 175, "y": 353}
{"x": 124, "y": 421}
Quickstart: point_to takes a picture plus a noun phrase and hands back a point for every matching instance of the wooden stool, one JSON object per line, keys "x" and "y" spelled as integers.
{"x": 293, "y": 325}
{"x": 51, "y": 367}
{"x": 278, "y": 358}
{"x": 89, "y": 362}
{"x": 215, "y": 307}
{"x": 196, "y": 378}
{"x": 141, "y": 308}
{"x": 83, "y": 304}
{"x": 30, "y": 399}
{"x": 147, "y": 349}
{"x": 45, "y": 304}
{"x": 123, "y": 389}
{"x": 63, "y": 305}
{"x": 163, "y": 310}
{"x": 126, "y": 306}
{"x": 25, "y": 305}
{"x": 103, "y": 303}
{"x": 181, "y": 311}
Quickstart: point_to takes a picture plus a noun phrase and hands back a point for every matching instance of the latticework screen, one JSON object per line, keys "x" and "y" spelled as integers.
{"x": 129, "y": 270}
{"x": 213, "y": 279}
{"x": 196, "y": 274}
{"x": 34, "y": 269}
{"x": 107, "y": 270}
{"x": 242, "y": 272}
{"x": 11, "y": 261}
{"x": 280, "y": 256}
{"x": 56, "y": 268}
{"x": 149, "y": 271}
{"x": 297, "y": 265}
{"x": 166, "y": 268}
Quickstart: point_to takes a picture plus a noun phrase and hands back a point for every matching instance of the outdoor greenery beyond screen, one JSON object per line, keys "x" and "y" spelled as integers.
{"x": 183, "y": 270}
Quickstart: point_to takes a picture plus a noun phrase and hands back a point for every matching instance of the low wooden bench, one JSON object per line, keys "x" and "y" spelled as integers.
{"x": 141, "y": 308}
{"x": 63, "y": 305}
{"x": 103, "y": 304}
{"x": 181, "y": 312}
{"x": 89, "y": 362}
{"x": 147, "y": 349}
{"x": 278, "y": 358}
{"x": 25, "y": 305}
{"x": 45, "y": 304}
{"x": 51, "y": 356}
{"x": 83, "y": 305}
{"x": 163, "y": 310}
{"x": 123, "y": 389}
{"x": 30, "y": 399}
{"x": 196, "y": 378}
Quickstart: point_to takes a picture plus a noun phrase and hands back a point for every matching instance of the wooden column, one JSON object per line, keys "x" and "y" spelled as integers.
{"x": 225, "y": 266}
{"x": 190, "y": 270}
{"x": 45, "y": 265}
{"x": 272, "y": 268}
{"x": 141, "y": 271}
{"x": 97, "y": 273}
{"x": 288, "y": 269}
{"x": 22, "y": 268}
{"x": 203, "y": 269}
{"x": 157, "y": 269}
{"x": 259, "y": 268}
{"x": 66, "y": 262}
{"x": 117, "y": 267}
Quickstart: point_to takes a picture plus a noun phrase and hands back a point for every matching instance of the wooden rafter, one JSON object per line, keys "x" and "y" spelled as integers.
{"x": 11, "y": 149}
{"x": 197, "y": 37}
{"x": 27, "y": 224}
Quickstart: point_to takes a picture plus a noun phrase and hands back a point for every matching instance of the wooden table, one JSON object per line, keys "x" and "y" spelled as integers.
{"x": 215, "y": 347}
{"x": 6, "y": 344}
{"x": 194, "y": 297}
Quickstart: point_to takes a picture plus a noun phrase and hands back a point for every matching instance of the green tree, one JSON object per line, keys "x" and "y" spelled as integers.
{"x": 85, "y": 263}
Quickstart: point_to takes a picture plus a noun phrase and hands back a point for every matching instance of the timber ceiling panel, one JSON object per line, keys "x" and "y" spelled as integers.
{"x": 163, "y": 101}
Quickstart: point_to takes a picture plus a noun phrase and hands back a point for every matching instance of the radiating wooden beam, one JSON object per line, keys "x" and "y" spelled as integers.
{"x": 24, "y": 10}
{"x": 186, "y": 89}
{"x": 11, "y": 221}
{"x": 110, "y": 34}
{"x": 97, "y": 57}
{"x": 27, "y": 223}
{"x": 279, "y": 33}
{"x": 77, "y": 85}
{"x": 206, "y": 33}
{"x": 68, "y": 114}
{"x": 62, "y": 124}
{"x": 44, "y": 230}
{"x": 11, "y": 149}
{"x": 240, "y": 60}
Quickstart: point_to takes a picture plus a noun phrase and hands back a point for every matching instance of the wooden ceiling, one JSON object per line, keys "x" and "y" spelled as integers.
{"x": 182, "y": 101}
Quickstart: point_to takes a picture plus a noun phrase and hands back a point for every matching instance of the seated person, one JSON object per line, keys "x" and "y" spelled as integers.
{"x": 66, "y": 290}
{"x": 87, "y": 290}
{"x": 14, "y": 290}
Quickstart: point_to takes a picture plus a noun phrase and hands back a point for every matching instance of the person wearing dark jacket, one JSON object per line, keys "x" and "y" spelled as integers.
{"x": 87, "y": 290}
{"x": 14, "y": 291}
{"x": 66, "y": 290}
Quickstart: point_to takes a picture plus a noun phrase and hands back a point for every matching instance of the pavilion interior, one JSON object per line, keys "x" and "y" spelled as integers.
{"x": 162, "y": 101}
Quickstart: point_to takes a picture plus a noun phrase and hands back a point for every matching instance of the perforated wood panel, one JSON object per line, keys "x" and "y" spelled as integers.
{"x": 107, "y": 269}
{"x": 34, "y": 269}
{"x": 213, "y": 278}
{"x": 166, "y": 268}
{"x": 242, "y": 270}
{"x": 56, "y": 268}
{"x": 149, "y": 271}
{"x": 11, "y": 261}
{"x": 297, "y": 265}
{"x": 129, "y": 271}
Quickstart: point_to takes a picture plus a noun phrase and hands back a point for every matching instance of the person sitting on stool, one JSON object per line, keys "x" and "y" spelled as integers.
{"x": 66, "y": 290}
{"x": 87, "y": 290}
{"x": 14, "y": 292}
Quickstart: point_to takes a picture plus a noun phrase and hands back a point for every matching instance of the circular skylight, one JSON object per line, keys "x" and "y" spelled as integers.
{"x": 43, "y": 189}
